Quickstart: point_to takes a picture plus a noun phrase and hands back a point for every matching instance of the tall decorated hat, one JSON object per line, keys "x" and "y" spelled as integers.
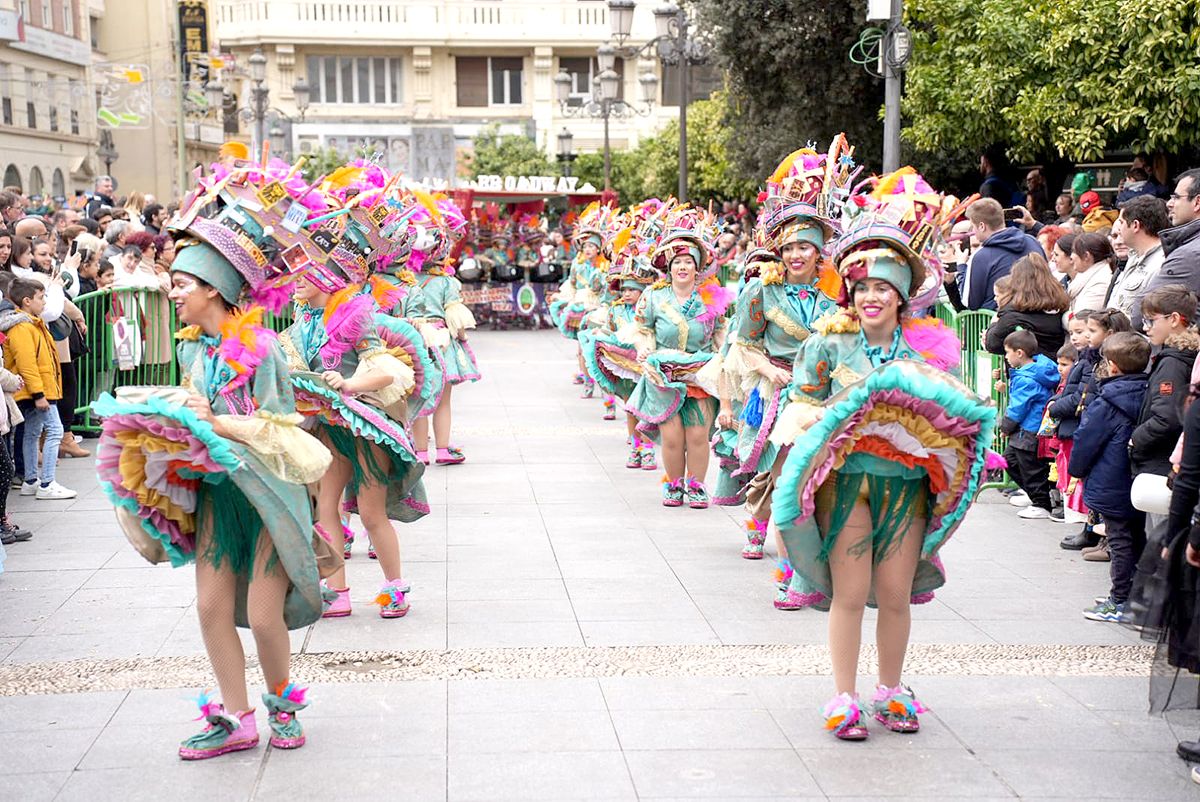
{"x": 529, "y": 230}
{"x": 687, "y": 230}
{"x": 759, "y": 253}
{"x": 630, "y": 248}
{"x": 590, "y": 225}
{"x": 892, "y": 232}
{"x": 805, "y": 194}
{"x": 255, "y": 220}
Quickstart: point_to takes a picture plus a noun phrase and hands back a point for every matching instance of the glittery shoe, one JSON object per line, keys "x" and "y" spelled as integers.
{"x": 635, "y": 458}
{"x": 423, "y": 456}
{"x": 286, "y": 732}
{"x": 224, "y": 733}
{"x": 844, "y": 718}
{"x": 896, "y": 708}
{"x": 756, "y": 538}
{"x": 697, "y": 495}
{"x": 578, "y": 379}
{"x": 672, "y": 492}
{"x": 335, "y": 603}
{"x": 348, "y": 535}
{"x": 610, "y": 408}
{"x": 450, "y": 455}
{"x": 391, "y": 601}
{"x": 649, "y": 462}
{"x": 589, "y": 389}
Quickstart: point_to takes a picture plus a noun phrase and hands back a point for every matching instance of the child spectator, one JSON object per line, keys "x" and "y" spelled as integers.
{"x": 1049, "y": 444}
{"x": 1030, "y": 385}
{"x": 1066, "y": 407}
{"x": 1100, "y": 458}
{"x": 30, "y": 352}
{"x": 1168, "y": 315}
{"x": 105, "y": 275}
{"x": 10, "y": 417}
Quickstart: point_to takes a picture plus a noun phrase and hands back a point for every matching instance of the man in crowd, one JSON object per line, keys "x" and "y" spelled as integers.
{"x": 101, "y": 196}
{"x": 1000, "y": 247}
{"x": 1141, "y": 220}
{"x": 993, "y": 163}
{"x": 114, "y": 238}
{"x": 1181, "y": 242}
{"x": 103, "y": 216}
{"x": 11, "y": 207}
{"x": 154, "y": 216}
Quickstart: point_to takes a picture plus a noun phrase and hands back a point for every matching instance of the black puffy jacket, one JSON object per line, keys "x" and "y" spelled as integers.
{"x": 1161, "y": 419}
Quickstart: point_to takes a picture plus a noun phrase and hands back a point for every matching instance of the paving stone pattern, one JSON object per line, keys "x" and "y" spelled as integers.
{"x": 571, "y": 639}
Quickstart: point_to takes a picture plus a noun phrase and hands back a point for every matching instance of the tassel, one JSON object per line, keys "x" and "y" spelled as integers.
{"x": 752, "y": 412}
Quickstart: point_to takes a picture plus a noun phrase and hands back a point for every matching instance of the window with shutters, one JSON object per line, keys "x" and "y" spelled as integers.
{"x": 336, "y": 79}
{"x": 472, "y": 79}
{"x": 506, "y": 80}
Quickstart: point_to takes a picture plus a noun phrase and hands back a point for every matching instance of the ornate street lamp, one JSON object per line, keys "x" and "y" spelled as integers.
{"x": 603, "y": 102}
{"x": 566, "y": 154}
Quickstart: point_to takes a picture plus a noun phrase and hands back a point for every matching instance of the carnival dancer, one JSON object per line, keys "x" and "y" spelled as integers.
{"x": 580, "y": 291}
{"x": 438, "y": 311}
{"x": 214, "y": 472}
{"x": 776, "y": 312}
{"x": 609, "y": 351}
{"x": 680, "y": 329}
{"x": 355, "y": 394}
{"x": 887, "y": 447}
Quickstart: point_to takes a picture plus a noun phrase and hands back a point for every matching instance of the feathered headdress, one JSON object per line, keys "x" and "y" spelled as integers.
{"x": 689, "y": 230}
{"x": 806, "y": 192}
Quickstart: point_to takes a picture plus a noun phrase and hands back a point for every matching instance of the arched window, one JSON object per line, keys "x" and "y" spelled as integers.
{"x": 12, "y": 177}
{"x": 58, "y": 187}
{"x": 35, "y": 181}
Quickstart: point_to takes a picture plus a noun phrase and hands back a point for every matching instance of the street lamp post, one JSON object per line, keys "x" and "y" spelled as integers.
{"x": 259, "y": 110}
{"x": 603, "y": 102}
{"x": 566, "y": 154}
{"x": 674, "y": 43}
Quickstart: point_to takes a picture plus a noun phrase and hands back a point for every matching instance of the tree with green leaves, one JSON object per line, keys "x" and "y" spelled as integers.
{"x": 1054, "y": 79}
{"x": 506, "y": 154}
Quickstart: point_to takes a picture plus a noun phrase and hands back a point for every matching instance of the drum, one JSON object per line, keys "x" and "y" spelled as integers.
{"x": 547, "y": 273}
{"x": 469, "y": 271}
{"x": 507, "y": 273}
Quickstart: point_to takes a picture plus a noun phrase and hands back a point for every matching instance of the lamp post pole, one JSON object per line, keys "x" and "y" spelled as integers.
{"x": 891, "y": 91}
{"x": 681, "y": 47}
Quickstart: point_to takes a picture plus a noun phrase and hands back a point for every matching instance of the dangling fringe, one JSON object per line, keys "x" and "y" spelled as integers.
{"x": 891, "y": 500}
{"x": 234, "y": 525}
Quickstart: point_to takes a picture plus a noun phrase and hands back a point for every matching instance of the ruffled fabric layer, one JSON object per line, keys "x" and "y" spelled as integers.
{"x": 404, "y": 341}
{"x": 612, "y": 363}
{"x": 668, "y": 377}
{"x": 909, "y": 415}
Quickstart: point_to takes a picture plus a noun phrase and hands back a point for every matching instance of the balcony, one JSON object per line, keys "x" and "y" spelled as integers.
{"x": 408, "y": 23}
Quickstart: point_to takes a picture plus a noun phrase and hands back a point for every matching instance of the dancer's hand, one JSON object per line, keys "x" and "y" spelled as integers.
{"x": 780, "y": 377}
{"x": 725, "y": 419}
{"x": 642, "y": 353}
{"x": 199, "y": 405}
{"x": 1193, "y": 556}
{"x": 334, "y": 380}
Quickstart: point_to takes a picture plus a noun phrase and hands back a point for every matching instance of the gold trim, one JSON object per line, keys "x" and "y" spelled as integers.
{"x": 785, "y": 322}
{"x": 675, "y": 316}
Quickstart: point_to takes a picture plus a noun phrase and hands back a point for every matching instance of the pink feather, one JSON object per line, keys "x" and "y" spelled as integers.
{"x": 348, "y": 324}
{"x": 717, "y": 299}
{"x": 933, "y": 340}
{"x": 994, "y": 461}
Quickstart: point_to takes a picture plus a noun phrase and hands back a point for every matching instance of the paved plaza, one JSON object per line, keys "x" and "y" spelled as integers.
{"x": 570, "y": 638}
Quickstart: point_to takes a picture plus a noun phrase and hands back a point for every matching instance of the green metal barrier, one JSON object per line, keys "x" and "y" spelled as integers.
{"x": 152, "y": 316}
{"x": 983, "y": 372}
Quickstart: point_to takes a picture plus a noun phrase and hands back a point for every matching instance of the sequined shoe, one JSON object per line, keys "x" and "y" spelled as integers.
{"x": 756, "y": 538}
{"x": 844, "y": 718}
{"x": 697, "y": 495}
{"x": 348, "y": 537}
{"x": 589, "y": 389}
{"x": 610, "y": 408}
{"x": 451, "y": 455}
{"x": 335, "y": 603}
{"x": 672, "y": 492}
{"x": 286, "y": 732}
{"x": 224, "y": 732}
{"x": 578, "y": 379}
{"x": 649, "y": 461}
{"x": 897, "y": 708}
{"x": 391, "y": 601}
{"x": 634, "y": 460}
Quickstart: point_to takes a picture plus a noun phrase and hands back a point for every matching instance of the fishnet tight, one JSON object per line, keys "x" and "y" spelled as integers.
{"x": 372, "y": 509}
{"x": 216, "y": 595}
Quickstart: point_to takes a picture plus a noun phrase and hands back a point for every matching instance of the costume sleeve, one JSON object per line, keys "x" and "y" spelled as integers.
{"x": 807, "y": 393}
{"x": 750, "y": 321}
{"x": 458, "y": 317}
{"x": 643, "y": 318}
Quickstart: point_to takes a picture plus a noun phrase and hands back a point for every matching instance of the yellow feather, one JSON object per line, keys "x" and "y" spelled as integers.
{"x": 785, "y": 166}
{"x": 342, "y": 176}
{"x": 426, "y": 200}
{"x": 888, "y": 185}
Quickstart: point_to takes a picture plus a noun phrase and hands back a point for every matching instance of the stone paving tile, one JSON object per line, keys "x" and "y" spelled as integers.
{"x": 515, "y": 696}
{"x": 680, "y": 693}
{"x": 77, "y": 711}
{"x": 713, "y": 774}
{"x": 552, "y": 731}
{"x": 534, "y": 775}
{"x": 40, "y": 787}
{"x": 208, "y": 781}
{"x": 471, "y": 634}
{"x": 1089, "y": 774}
{"x": 46, "y": 749}
{"x": 647, "y": 633}
{"x": 697, "y": 729}
{"x": 415, "y": 777}
{"x": 878, "y": 774}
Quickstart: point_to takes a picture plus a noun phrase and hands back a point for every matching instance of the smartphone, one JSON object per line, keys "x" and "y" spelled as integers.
{"x": 72, "y": 248}
{"x": 1012, "y": 215}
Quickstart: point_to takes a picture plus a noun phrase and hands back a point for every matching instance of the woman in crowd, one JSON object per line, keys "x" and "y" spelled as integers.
{"x": 874, "y": 482}
{"x": 1090, "y": 272}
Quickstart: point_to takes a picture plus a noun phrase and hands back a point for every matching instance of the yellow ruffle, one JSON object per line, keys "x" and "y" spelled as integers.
{"x": 288, "y": 452}
{"x": 132, "y": 465}
{"x": 458, "y": 318}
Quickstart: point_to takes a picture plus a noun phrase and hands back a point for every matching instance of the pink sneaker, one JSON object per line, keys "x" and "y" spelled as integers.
{"x": 423, "y": 456}
{"x": 844, "y": 718}
{"x": 450, "y": 455}
{"x": 224, "y": 733}
{"x": 391, "y": 601}
{"x": 335, "y": 601}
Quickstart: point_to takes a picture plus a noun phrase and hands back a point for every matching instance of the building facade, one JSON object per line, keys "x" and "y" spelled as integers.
{"x": 416, "y": 81}
{"x": 47, "y": 129}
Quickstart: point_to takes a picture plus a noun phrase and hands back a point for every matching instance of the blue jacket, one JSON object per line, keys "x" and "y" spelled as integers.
{"x": 1029, "y": 388}
{"x": 994, "y": 261}
{"x": 1067, "y": 406}
{"x": 1100, "y": 456}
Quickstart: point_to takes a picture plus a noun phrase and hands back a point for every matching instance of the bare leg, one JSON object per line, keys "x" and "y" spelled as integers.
{"x": 672, "y": 447}
{"x": 329, "y": 506}
{"x": 264, "y": 608}
{"x": 216, "y": 591}
{"x": 420, "y": 429}
{"x": 631, "y": 426}
{"x": 696, "y": 439}
{"x": 372, "y": 508}
{"x": 851, "y": 574}
{"x": 441, "y": 420}
{"x": 893, "y": 594}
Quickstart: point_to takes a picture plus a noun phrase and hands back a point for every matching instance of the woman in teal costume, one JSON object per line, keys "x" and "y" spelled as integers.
{"x": 343, "y": 374}
{"x": 885, "y": 456}
{"x": 438, "y": 311}
{"x": 681, "y": 327}
{"x": 253, "y": 549}
{"x": 579, "y": 294}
